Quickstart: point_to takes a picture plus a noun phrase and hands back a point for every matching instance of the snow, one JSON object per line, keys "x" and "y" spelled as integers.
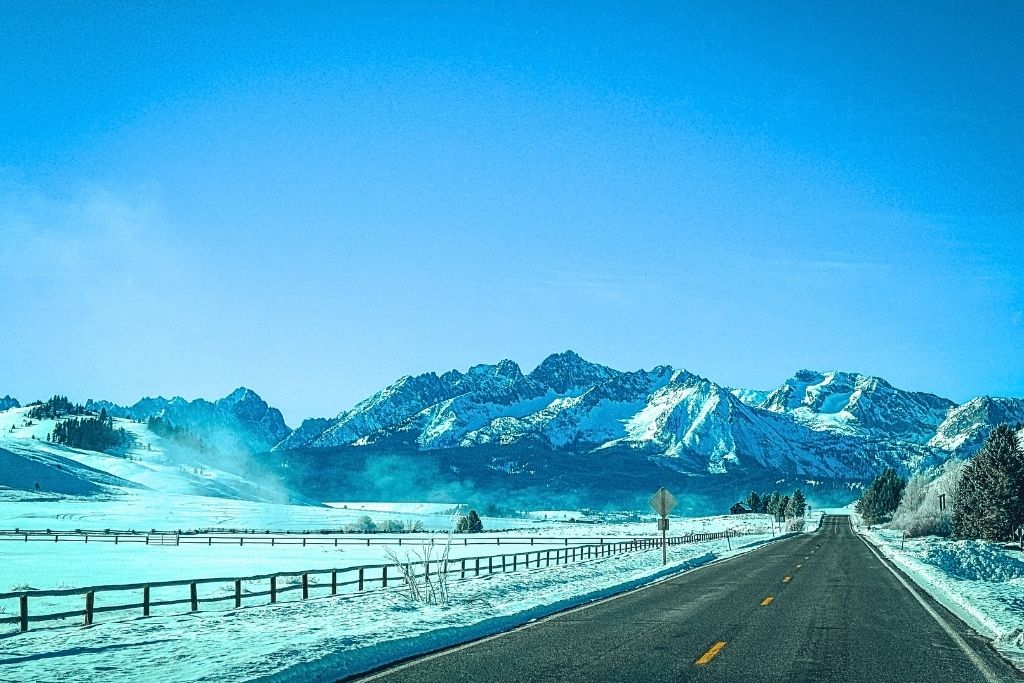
{"x": 324, "y": 639}
{"x": 979, "y": 581}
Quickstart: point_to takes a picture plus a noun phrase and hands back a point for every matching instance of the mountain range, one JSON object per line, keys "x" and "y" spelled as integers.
{"x": 571, "y": 420}
{"x": 816, "y": 424}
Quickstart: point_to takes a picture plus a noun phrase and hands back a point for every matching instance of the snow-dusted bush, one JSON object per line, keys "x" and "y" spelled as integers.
{"x": 919, "y": 511}
{"x": 795, "y": 524}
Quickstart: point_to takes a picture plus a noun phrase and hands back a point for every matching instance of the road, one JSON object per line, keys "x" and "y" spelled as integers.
{"x": 814, "y": 607}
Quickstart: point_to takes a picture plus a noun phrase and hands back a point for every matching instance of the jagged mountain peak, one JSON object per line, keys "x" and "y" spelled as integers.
{"x": 8, "y": 402}
{"x": 567, "y": 371}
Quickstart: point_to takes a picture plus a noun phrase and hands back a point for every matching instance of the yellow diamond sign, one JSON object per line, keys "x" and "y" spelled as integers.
{"x": 663, "y": 502}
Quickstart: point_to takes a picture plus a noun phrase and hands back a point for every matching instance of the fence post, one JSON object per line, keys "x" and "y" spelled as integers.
{"x": 273, "y": 589}
{"x": 490, "y": 565}
{"x": 194, "y": 596}
{"x": 334, "y": 579}
{"x": 23, "y": 600}
{"x": 145, "y": 601}
{"x": 360, "y": 579}
{"x": 478, "y": 566}
{"x": 463, "y": 575}
{"x": 385, "y": 579}
{"x": 238, "y": 593}
{"x": 305, "y": 586}
{"x": 90, "y": 599}
{"x": 727, "y": 539}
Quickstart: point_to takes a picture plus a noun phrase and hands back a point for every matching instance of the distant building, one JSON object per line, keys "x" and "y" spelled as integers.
{"x": 739, "y": 509}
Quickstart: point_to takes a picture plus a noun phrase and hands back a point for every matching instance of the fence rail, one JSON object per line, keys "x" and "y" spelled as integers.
{"x": 358, "y": 578}
{"x": 329, "y": 539}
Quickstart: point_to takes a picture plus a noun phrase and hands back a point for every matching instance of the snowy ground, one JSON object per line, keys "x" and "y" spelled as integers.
{"x": 328, "y": 638}
{"x": 43, "y": 565}
{"x": 979, "y": 581}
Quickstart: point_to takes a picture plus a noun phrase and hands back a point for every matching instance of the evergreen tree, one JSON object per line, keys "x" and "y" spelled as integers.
{"x": 469, "y": 524}
{"x": 882, "y": 497}
{"x": 784, "y": 508}
{"x": 799, "y": 503}
{"x": 772, "y": 507}
{"x": 989, "y": 499}
{"x": 754, "y": 501}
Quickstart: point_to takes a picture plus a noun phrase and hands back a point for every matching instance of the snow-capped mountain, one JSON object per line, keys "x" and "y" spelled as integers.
{"x": 967, "y": 426}
{"x": 834, "y": 424}
{"x": 8, "y": 402}
{"x": 241, "y": 417}
{"x": 856, "y": 404}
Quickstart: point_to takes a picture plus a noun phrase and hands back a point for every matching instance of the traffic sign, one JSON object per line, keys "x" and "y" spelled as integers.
{"x": 663, "y": 502}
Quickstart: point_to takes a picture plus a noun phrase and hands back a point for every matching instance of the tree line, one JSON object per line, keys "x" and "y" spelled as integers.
{"x": 90, "y": 433}
{"x": 778, "y": 505}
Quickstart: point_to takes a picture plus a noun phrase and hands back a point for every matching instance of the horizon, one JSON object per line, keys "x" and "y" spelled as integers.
{"x": 314, "y": 201}
{"x": 294, "y": 421}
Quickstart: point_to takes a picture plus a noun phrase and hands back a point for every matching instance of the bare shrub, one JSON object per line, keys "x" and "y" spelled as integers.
{"x": 425, "y": 578}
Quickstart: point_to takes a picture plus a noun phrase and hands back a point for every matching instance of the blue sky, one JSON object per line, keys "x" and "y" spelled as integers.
{"x": 314, "y": 200}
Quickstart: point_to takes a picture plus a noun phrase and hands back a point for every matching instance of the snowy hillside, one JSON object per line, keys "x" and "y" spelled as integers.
{"x": 29, "y": 462}
{"x": 240, "y": 420}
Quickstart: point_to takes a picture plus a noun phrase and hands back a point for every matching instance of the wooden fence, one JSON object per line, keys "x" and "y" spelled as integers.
{"x": 285, "y": 539}
{"x": 346, "y": 579}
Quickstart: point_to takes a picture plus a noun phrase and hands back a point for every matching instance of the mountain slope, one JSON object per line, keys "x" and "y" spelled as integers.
{"x": 239, "y": 421}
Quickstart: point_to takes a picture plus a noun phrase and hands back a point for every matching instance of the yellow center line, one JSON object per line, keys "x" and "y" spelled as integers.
{"x": 710, "y": 654}
{"x": 785, "y": 579}
{"x": 767, "y": 601}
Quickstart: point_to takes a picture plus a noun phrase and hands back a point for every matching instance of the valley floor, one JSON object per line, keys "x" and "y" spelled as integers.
{"x": 319, "y": 639}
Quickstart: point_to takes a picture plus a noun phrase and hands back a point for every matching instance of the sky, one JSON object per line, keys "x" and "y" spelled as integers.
{"x": 313, "y": 199}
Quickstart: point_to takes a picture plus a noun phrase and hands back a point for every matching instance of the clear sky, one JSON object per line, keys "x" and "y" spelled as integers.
{"x": 314, "y": 199}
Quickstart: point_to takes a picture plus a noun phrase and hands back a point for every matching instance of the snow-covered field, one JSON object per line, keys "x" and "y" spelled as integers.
{"x": 979, "y": 581}
{"x": 45, "y": 565}
{"x": 327, "y": 638}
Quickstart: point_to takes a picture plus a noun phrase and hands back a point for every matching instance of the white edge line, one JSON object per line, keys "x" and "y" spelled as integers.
{"x": 430, "y": 656}
{"x": 983, "y": 667}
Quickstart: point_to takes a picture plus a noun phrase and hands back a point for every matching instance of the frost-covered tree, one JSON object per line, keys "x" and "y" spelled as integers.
{"x": 784, "y": 511}
{"x": 920, "y": 512}
{"x": 772, "y": 506}
{"x": 798, "y": 503}
{"x": 754, "y": 501}
{"x": 989, "y": 500}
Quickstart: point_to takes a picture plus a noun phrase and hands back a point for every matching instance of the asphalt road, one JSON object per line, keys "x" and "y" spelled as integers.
{"x": 841, "y": 615}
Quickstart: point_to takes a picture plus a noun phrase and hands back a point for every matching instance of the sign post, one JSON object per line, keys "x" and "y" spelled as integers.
{"x": 663, "y": 503}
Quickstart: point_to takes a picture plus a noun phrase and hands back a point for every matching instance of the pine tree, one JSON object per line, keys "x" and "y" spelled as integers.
{"x": 799, "y": 503}
{"x": 754, "y": 501}
{"x": 989, "y": 499}
{"x": 882, "y": 497}
{"x": 772, "y": 507}
{"x": 784, "y": 508}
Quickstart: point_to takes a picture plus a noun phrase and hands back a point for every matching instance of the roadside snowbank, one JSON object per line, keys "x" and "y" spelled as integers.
{"x": 329, "y": 638}
{"x": 979, "y": 581}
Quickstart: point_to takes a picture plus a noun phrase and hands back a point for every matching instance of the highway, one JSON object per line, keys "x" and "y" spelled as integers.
{"x": 817, "y": 607}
